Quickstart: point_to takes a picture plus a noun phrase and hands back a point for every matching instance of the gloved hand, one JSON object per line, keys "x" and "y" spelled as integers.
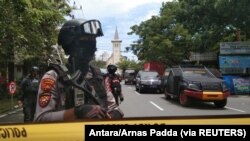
{"x": 121, "y": 99}
{"x": 90, "y": 111}
{"x": 116, "y": 114}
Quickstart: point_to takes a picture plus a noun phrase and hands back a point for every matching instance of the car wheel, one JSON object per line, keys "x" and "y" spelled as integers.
{"x": 136, "y": 88}
{"x": 158, "y": 91}
{"x": 220, "y": 104}
{"x": 183, "y": 99}
{"x": 140, "y": 89}
{"x": 168, "y": 97}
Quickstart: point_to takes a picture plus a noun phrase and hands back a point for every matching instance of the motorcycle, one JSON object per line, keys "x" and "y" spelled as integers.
{"x": 116, "y": 91}
{"x": 117, "y": 95}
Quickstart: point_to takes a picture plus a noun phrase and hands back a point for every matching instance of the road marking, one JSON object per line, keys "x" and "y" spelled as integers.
{"x": 3, "y": 115}
{"x": 235, "y": 109}
{"x": 157, "y": 106}
{"x": 137, "y": 93}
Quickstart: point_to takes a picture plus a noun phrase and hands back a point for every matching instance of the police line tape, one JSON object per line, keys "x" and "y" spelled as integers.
{"x": 75, "y": 131}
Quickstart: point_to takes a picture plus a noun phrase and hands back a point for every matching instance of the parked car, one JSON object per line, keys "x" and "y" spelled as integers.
{"x": 148, "y": 80}
{"x": 216, "y": 72}
{"x": 129, "y": 76}
{"x": 196, "y": 83}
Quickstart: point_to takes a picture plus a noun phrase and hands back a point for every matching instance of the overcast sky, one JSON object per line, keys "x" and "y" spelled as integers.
{"x": 117, "y": 13}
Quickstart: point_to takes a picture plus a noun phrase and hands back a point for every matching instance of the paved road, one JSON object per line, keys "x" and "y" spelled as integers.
{"x": 156, "y": 105}
{"x": 15, "y": 116}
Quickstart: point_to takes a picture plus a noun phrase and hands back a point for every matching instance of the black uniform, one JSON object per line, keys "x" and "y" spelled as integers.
{"x": 28, "y": 95}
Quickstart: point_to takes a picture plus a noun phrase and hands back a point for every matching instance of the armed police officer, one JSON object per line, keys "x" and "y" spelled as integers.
{"x": 76, "y": 91}
{"x": 112, "y": 83}
{"x": 28, "y": 94}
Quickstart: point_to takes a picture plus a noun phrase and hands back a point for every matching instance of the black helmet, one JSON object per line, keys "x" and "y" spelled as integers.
{"x": 111, "y": 68}
{"x": 76, "y": 28}
{"x": 34, "y": 69}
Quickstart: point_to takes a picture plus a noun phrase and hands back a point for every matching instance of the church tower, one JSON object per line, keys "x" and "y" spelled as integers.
{"x": 116, "y": 48}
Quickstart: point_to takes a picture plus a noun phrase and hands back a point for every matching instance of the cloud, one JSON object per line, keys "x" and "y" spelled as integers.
{"x": 122, "y": 14}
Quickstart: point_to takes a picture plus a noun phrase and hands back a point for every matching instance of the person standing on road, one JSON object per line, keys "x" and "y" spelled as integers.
{"x": 112, "y": 83}
{"x": 75, "y": 91}
{"x": 28, "y": 94}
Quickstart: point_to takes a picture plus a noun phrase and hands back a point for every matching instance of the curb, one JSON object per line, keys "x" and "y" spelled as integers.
{"x": 11, "y": 112}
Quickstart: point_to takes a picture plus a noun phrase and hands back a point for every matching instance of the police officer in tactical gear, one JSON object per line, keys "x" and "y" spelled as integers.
{"x": 28, "y": 94}
{"x": 76, "y": 91}
{"x": 112, "y": 83}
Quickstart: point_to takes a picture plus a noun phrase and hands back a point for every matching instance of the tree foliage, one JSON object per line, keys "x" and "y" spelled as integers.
{"x": 99, "y": 63}
{"x": 29, "y": 27}
{"x": 129, "y": 64}
{"x": 189, "y": 25}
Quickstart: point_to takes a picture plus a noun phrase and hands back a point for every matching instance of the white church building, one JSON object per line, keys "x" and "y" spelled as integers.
{"x": 116, "y": 53}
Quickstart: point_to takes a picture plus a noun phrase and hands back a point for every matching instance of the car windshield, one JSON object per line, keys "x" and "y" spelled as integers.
{"x": 196, "y": 73}
{"x": 129, "y": 74}
{"x": 147, "y": 75}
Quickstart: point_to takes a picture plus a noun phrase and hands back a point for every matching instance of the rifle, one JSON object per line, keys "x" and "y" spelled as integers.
{"x": 72, "y": 80}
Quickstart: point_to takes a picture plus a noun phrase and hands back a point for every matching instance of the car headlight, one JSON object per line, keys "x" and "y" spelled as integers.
{"x": 224, "y": 86}
{"x": 194, "y": 86}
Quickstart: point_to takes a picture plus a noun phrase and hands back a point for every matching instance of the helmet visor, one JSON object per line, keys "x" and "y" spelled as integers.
{"x": 92, "y": 27}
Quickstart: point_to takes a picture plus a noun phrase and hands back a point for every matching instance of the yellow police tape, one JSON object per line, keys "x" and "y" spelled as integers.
{"x": 74, "y": 131}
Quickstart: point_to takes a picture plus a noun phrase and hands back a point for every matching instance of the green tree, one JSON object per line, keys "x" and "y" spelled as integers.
{"x": 162, "y": 38}
{"x": 211, "y": 22}
{"x": 29, "y": 28}
{"x": 123, "y": 64}
{"x": 189, "y": 25}
{"x": 99, "y": 63}
{"x": 129, "y": 64}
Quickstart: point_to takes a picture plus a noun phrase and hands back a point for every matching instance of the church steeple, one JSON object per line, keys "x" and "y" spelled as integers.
{"x": 116, "y": 48}
{"x": 116, "y": 34}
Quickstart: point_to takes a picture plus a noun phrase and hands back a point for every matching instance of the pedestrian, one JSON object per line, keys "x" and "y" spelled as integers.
{"x": 75, "y": 91}
{"x": 28, "y": 94}
{"x": 112, "y": 83}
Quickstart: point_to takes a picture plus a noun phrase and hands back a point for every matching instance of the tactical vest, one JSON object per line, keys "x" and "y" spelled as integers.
{"x": 31, "y": 85}
{"x": 72, "y": 96}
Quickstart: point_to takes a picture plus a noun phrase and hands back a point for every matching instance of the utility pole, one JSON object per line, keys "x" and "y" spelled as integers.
{"x": 75, "y": 7}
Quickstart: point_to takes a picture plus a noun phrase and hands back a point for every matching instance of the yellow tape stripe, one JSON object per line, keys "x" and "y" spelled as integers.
{"x": 75, "y": 131}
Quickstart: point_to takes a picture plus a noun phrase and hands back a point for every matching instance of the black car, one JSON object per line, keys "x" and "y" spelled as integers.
{"x": 196, "y": 83}
{"x": 148, "y": 80}
{"x": 129, "y": 76}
